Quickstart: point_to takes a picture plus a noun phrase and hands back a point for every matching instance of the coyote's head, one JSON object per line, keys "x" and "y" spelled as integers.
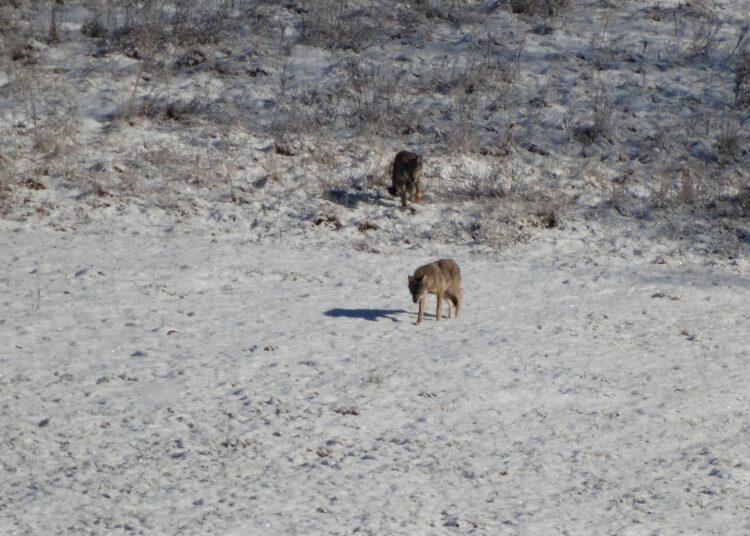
{"x": 417, "y": 288}
{"x": 414, "y": 166}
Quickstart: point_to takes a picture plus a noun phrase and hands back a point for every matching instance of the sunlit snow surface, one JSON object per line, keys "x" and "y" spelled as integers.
{"x": 205, "y": 326}
{"x": 193, "y": 382}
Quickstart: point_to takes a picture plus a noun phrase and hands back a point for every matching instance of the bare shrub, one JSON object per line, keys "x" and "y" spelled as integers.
{"x": 728, "y": 141}
{"x": 600, "y": 125}
{"x": 316, "y": 107}
{"x": 471, "y": 181}
{"x": 56, "y": 137}
{"x": 694, "y": 183}
{"x": 156, "y": 101}
{"x": 449, "y": 10}
{"x": 742, "y": 199}
{"x": 270, "y": 165}
{"x": 198, "y": 28}
{"x": 480, "y": 187}
{"x": 483, "y": 70}
{"x": 664, "y": 180}
{"x": 190, "y": 59}
{"x": 332, "y": 24}
{"x": 602, "y": 112}
{"x": 94, "y": 27}
{"x": 147, "y": 30}
{"x": 605, "y": 49}
{"x": 705, "y": 39}
{"x": 543, "y": 8}
{"x": 7, "y": 194}
{"x": 373, "y": 93}
{"x": 25, "y": 84}
{"x": 742, "y": 78}
{"x": 693, "y": 186}
{"x": 463, "y": 136}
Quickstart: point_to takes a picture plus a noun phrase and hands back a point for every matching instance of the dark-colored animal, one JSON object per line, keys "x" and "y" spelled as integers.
{"x": 407, "y": 171}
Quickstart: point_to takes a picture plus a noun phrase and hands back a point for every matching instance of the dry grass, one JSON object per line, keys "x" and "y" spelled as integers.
{"x": 543, "y": 8}
{"x": 8, "y": 197}
{"x": 332, "y": 24}
{"x": 56, "y": 138}
{"x": 729, "y": 141}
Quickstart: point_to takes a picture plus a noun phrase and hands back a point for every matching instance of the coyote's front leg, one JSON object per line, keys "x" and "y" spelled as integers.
{"x": 439, "y": 312}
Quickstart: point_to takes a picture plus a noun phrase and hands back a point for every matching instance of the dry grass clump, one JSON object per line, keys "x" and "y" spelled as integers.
{"x": 7, "y": 194}
{"x": 335, "y": 24}
{"x": 375, "y": 100}
{"x": 542, "y": 8}
{"x": 742, "y": 78}
{"x": 728, "y": 144}
{"x": 600, "y": 125}
{"x": 146, "y": 31}
{"x": 447, "y": 10}
{"x": 94, "y": 27}
{"x": 56, "y": 138}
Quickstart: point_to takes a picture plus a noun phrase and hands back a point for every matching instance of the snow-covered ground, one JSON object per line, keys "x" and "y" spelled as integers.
{"x": 205, "y": 326}
{"x": 194, "y": 382}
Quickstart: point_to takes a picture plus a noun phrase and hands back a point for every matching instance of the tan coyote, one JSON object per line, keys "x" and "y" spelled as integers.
{"x": 441, "y": 277}
{"x": 407, "y": 170}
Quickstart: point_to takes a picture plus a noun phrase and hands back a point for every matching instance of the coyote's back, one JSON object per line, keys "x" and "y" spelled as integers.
{"x": 442, "y": 278}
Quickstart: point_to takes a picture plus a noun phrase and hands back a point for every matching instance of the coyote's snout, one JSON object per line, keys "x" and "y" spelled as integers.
{"x": 407, "y": 171}
{"x": 442, "y": 278}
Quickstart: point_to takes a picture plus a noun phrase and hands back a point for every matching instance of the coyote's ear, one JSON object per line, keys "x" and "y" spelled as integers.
{"x": 419, "y": 159}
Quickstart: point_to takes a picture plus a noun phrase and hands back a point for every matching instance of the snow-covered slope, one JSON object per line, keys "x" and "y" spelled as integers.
{"x": 205, "y": 326}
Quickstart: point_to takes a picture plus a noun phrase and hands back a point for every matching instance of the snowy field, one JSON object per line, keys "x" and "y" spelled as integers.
{"x": 205, "y": 326}
{"x": 194, "y": 382}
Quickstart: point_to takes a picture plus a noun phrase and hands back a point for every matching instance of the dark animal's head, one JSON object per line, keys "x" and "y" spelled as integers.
{"x": 415, "y": 166}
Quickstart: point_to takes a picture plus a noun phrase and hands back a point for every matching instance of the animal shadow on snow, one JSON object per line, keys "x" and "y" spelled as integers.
{"x": 366, "y": 314}
{"x": 351, "y": 199}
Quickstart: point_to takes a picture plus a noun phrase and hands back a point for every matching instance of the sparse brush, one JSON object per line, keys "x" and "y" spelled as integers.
{"x": 94, "y": 28}
{"x": 374, "y": 95}
{"x": 689, "y": 185}
{"x": 728, "y": 142}
{"x": 462, "y": 137}
{"x": 664, "y": 180}
{"x": 742, "y": 78}
{"x": 600, "y": 126}
{"x": 743, "y": 200}
{"x": 449, "y": 10}
{"x": 158, "y": 102}
{"x": 543, "y": 8}
{"x": 602, "y": 112}
{"x": 315, "y": 108}
{"x": 705, "y": 39}
{"x": 487, "y": 187}
{"x": 271, "y": 166}
{"x": 7, "y": 194}
{"x": 331, "y": 24}
{"x": 56, "y": 138}
{"x": 605, "y": 48}
{"x": 376, "y": 378}
{"x": 145, "y": 32}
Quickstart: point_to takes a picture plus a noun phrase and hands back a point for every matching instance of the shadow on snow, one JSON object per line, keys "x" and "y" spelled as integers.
{"x": 366, "y": 314}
